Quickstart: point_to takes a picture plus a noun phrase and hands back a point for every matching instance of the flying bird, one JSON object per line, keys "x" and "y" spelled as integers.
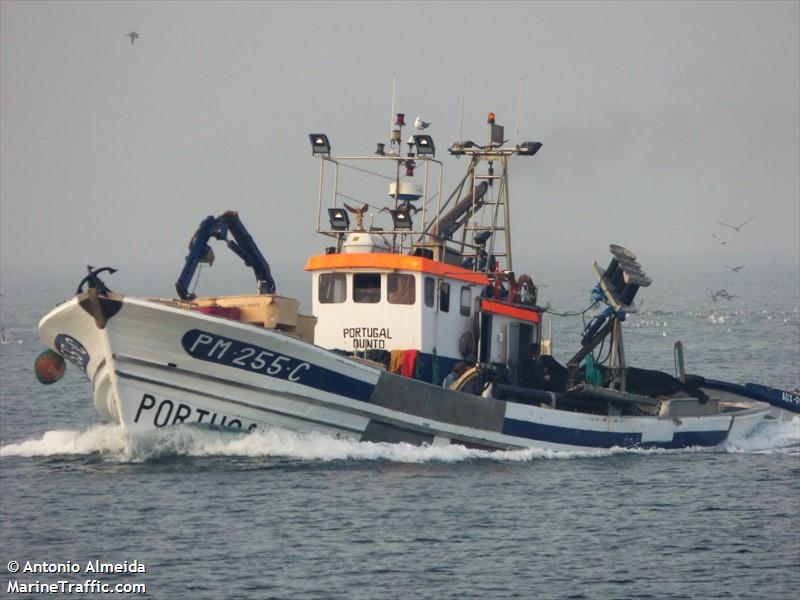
{"x": 419, "y": 124}
{"x": 719, "y": 239}
{"x": 133, "y": 35}
{"x": 723, "y": 293}
{"x": 737, "y": 228}
{"x": 735, "y": 269}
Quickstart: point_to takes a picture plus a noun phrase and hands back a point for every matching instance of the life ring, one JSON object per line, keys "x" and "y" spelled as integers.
{"x": 525, "y": 291}
{"x": 467, "y": 377}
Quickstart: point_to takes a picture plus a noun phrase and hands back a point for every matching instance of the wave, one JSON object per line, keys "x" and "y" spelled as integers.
{"x": 105, "y": 439}
{"x": 772, "y": 436}
{"x": 112, "y": 443}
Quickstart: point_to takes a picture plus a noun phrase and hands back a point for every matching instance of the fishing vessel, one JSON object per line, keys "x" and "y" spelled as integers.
{"x": 421, "y": 330}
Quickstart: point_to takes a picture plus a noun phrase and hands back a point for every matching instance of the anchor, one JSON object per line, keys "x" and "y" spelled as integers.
{"x": 94, "y": 281}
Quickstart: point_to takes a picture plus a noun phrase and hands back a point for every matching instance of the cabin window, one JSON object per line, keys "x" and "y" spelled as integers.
{"x": 401, "y": 289}
{"x": 466, "y": 300}
{"x": 332, "y": 288}
{"x": 430, "y": 291}
{"x": 367, "y": 287}
{"x": 444, "y": 297}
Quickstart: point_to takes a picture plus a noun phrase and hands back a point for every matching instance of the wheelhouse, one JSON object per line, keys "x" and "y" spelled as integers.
{"x": 417, "y": 273}
{"x": 393, "y": 302}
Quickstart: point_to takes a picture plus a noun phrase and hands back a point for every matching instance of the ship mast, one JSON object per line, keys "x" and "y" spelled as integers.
{"x": 488, "y": 189}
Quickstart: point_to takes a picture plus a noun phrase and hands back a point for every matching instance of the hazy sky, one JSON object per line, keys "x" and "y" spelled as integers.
{"x": 658, "y": 119}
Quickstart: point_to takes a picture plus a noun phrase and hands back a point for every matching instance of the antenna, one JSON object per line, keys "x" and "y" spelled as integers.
{"x": 519, "y": 107}
{"x": 461, "y": 124}
{"x": 391, "y": 117}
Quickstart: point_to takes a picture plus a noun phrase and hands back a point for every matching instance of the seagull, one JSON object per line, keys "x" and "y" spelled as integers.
{"x": 723, "y": 293}
{"x": 719, "y": 239}
{"x": 737, "y": 228}
{"x": 359, "y": 213}
{"x": 133, "y": 35}
{"x": 735, "y": 269}
{"x": 419, "y": 124}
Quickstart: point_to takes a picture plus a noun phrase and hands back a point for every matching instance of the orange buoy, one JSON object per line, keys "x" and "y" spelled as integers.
{"x": 49, "y": 367}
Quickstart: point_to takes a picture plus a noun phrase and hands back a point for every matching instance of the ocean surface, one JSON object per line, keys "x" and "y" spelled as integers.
{"x": 277, "y": 514}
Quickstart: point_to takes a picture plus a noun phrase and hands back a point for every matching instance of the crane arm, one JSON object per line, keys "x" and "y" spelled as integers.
{"x": 242, "y": 245}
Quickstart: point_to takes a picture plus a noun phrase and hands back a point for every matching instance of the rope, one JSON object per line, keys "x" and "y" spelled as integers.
{"x": 196, "y": 281}
{"x": 346, "y": 166}
{"x": 570, "y": 314}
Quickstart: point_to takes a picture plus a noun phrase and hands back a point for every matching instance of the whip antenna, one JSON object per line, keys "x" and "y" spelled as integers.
{"x": 461, "y": 123}
{"x": 391, "y": 117}
{"x": 519, "y": 107}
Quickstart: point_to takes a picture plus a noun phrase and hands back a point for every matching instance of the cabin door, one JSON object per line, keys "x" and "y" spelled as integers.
{"x": 519, "y": 340}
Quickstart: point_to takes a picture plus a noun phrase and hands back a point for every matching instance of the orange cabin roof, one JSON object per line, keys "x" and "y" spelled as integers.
{"x": 521, "y": 313}
{"x": 398, "y": 262}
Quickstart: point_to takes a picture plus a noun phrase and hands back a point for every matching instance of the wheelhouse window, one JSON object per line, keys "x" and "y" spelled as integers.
{"x": 444, "y": 297}
{"x": 430, "y": 291}
{"x": 367, "y": 288}
{"x": 401, "y": 288}
{"x": 466, "y": 300}
{"x": 332, "y": 288}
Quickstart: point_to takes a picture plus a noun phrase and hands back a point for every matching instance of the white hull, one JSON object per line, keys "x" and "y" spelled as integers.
{"x": 153, "y": 365}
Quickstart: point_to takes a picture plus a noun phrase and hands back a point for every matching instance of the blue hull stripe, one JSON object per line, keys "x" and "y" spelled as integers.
{"x": 606, "y": 439}
{"x": 226, "y": 351}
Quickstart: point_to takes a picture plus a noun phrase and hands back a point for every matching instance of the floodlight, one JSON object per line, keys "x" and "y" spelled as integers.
{"x": 424, "y": 144}
{"x": 529, "y": 148}
{"x": 401, "y": 218}
{"x": 339, "y": 219}
{"x": 319, "y": 143}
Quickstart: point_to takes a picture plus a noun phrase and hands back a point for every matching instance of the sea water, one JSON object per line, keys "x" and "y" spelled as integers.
{"x": 280, "y": 514}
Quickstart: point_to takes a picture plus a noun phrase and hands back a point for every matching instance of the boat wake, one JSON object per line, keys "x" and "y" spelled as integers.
{"x": 770, "y": 437}
{"x": 107, "y": 440}
{"x": 111, "y": 443}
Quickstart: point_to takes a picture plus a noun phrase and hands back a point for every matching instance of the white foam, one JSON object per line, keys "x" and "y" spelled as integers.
{"x": 113, "y": 444}
{"x": 106, "y": 439}
{"x": 771, "y": 436}
{"x": 282, "y": 443}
